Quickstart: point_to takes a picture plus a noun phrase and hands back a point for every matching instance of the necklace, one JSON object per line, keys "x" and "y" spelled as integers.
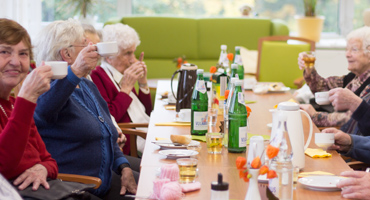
{"x": 4, "y": 110}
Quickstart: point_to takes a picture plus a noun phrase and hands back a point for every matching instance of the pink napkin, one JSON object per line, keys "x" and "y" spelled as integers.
{"x": 190, "y": 187}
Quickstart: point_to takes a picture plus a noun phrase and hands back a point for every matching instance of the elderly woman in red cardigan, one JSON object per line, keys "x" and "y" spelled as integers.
{"x": 117, "y": 76}
{"x": 23, "y": 156}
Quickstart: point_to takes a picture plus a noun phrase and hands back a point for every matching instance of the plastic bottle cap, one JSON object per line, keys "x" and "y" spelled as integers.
{"x": 233, "y": 79}
{"x": 238, "y": 82}
{"x": 288, "y": 106}
{"x": 219, "y": 185}
{"x": 200, "y": 71}
{"x": 237, "y": 48}
{"x": 234, "y": 66}
{"x": 223, "y": 47}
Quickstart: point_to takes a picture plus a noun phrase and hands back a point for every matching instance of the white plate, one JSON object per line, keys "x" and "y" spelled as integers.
{"x": 263, "y": 178}
{"x": 169, "y": 102}
{"x": 168, "y": 144}
{"x": 283, "y": 89}
{"x": 174, "y": 154}
{"x": 321, "y": 183}
{"x": 180, "y": 120}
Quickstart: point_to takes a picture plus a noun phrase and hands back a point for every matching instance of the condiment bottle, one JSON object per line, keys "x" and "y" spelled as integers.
{"x": 219, "y": 189}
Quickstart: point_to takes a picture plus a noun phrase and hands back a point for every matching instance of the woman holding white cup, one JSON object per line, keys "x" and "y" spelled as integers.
{"x": 358, "y": 57}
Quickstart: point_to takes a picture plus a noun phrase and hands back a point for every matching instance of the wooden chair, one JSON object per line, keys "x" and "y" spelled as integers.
{"x": 80, "y": 179}
{"x": 355, "y": 164}
{"x": 128, "y": 128}
{"x": 277, "y": 60}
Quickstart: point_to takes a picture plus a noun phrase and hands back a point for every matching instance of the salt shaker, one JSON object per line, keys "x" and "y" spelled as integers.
{"x": 219, "y": 189}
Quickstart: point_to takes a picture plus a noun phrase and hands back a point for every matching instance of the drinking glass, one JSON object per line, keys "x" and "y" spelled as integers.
{"x": 212, "y": 116}
{"x": 188, "y": 169}
{"x": 214, "y": 142}
{"x": 309, "y": 59}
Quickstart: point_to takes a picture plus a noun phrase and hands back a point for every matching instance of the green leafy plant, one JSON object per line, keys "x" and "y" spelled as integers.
{"x": 310, "y": 8}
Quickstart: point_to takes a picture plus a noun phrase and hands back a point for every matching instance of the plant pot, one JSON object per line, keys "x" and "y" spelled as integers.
{"x": 310, "y": 27}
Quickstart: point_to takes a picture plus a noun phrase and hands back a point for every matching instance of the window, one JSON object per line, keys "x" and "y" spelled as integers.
{"x": 99, "y": 10}
{"x": 277, "y": 9}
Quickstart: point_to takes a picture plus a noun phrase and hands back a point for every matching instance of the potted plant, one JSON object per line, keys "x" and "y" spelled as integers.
{"x": 310, "y": 26}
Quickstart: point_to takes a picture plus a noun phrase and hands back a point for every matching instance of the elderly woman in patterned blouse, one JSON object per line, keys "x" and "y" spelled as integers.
{"x": 358, "y": 56}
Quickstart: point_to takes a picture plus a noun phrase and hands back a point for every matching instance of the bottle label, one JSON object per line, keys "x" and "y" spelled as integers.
{"x": 201, "y": 87}
{"x": 274, "y": 186}
{"x": 200, "y": 121}
{"x": 243, "y": 136}
{"x": 238, "y": 59}
{"x": 241, "y": 98}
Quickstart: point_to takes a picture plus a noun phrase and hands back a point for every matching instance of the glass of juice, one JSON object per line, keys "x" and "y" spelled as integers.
{"x": 309, "y": 59}
{"x": 188, "y": 169}
{"x": 214, "y": 142}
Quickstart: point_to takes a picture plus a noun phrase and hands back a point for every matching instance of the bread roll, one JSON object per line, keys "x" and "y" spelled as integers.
{"x": 181, "y": 139}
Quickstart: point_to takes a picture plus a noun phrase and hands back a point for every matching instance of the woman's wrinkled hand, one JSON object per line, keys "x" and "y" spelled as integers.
{"x": 128, "y": 183}
{"x": 344, "y": 99}
{"x": 135, "y": 72}
{"x": 36, "y": 83}
{"x": 86, "y": 61}
{"x": 356, "y": 186}
{"x": 342, "y": 141}
{"x": 308, "y": 108}
{"x": 35, "y": 175}
{"x": 301, "y": 64}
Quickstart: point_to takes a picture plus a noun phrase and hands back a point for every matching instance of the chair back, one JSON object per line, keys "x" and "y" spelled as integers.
{"x": 277, "y": 60}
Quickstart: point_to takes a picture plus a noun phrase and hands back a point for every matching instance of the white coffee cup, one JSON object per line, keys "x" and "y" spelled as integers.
{"x": 322, "y": 98}
{"x": 256, "y": 147}
{"x": 324, "y": 140}
{"x": 59, "y": 69}
{"x": 185, "y": 115}
{"x": 107, "y": 48}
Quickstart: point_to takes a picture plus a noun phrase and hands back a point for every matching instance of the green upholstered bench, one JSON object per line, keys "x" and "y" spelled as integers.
{"x": 199, "y": 39}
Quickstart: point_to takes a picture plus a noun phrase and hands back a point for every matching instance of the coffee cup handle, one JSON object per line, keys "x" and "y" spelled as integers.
{"x": 311, "y": 130}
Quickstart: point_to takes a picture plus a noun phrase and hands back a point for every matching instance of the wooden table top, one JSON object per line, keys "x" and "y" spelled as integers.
{"x": 209, "y": 165}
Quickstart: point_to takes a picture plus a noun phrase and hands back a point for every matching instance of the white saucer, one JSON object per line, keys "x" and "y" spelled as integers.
{"x": 168, "y": 144}
{"x": 180, "y": 120}
{"x": 174, "y": 154}
{"x": 283, "y": 89}
{"x": 321, "y": 183}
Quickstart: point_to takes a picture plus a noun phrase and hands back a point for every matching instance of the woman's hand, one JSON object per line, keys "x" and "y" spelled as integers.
{"x": 86, "y": 61}
{"x": 344, "y": 99}
{"x": 308, "y": 108}
{"x": 128, "y": 183}
{"x": 36, "y": 83}
{"x": 36, "y": 175}
{"x": 121, "y": 140}
{"x": 357, "y": 186}
{"x": 135, "y": 72}
{"x": 342, "y": 141}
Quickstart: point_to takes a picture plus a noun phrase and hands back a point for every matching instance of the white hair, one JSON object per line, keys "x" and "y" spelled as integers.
{"x": 55, "y": 37}
{"x": 363, "y": 34}
{"x": 124, "y": 35}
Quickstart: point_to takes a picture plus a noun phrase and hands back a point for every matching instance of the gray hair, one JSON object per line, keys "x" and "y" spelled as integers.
{"x": 124, "y": 35}
{"x": 363, "y": 34}
{"x": 55, "y": 37}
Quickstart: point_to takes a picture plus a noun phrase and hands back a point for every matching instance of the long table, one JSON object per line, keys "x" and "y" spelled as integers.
{"x": 210, "y": 165}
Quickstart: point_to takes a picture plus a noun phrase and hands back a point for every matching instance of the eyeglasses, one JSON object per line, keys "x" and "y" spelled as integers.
{"x": 77, "y": 46}
{"x": 354, "y": 50}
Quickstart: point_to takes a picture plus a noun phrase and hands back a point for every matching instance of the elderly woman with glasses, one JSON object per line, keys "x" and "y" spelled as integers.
{"x": 358, "y": 56}
{"x": 72, "y": 117}
{"x": 23, "y": 156}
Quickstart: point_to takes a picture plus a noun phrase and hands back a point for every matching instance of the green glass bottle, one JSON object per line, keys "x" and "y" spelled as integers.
{"x": 238, "y": 60}
{"x": 237, "y": 121}
{"x": 199, "y": 106}
{"x": 234, "y": 70}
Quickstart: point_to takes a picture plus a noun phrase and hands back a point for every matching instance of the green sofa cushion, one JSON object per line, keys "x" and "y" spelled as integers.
{"x": 230, "y": 31}
{"x": 165, "y": 37}
{"x": 279, "y": 62}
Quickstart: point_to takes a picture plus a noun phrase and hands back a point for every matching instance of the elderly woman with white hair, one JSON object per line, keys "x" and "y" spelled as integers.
{"x": 72, "y": 117}
{"x": 357, "y": 81}
{"x": 117, "y": 76}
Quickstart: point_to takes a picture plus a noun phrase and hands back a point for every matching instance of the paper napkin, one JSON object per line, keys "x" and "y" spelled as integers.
{"x": 173, "y": 124}
{"x": 317, "y": 153}
{"x": 314, "y": 173}
{"x": 201, "y": 138}
{"x": 170, "y": 107}
{"x": 265, "y": 137}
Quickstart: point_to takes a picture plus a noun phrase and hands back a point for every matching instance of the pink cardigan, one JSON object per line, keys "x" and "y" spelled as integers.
{"x": 118, "y": 102}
